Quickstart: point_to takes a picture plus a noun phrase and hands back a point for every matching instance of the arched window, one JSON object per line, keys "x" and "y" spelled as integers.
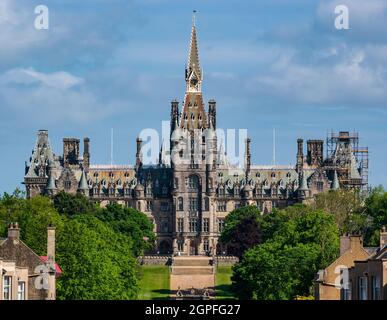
{"x": 206, "y": 204}
{"x": 180, "y": 204}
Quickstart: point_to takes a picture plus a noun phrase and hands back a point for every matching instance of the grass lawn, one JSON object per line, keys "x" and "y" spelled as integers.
{"x": 154, "y": 283}
{"x": 223, "y": 282}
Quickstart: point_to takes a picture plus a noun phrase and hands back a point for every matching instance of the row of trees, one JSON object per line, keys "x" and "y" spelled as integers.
{"x": 281, "y": 252}
{"x": 96, "y": 247}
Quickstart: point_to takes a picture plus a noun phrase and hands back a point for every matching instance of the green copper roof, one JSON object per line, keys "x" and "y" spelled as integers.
{"x": 83, "y": 185}
{"x": 335, "y": 182}
{"x": 51, "y": 183}
{"x": 304, "y": 183}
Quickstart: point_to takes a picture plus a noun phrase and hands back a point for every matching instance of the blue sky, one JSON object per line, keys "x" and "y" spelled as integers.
{"x": 117, "y": 64}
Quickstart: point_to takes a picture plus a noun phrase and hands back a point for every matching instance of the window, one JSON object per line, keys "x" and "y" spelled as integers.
{"x": 127, "y": 191}
{"x": 320, "y": 186}
{"x": 67, "y": 184}
{"x": 193, "y": 225}
{"x": 7, "y": 288}
{"x": 222, "y": 206}
{"x": 375, "y": 288}
{"x": 193, "y": 182}
{"x": 221, "y": 192}
{"x": 206, "y": 225}
{"x": 180, "y": 204}
{"x": 193, "y": 204}
{"x": 237, "y": 205}
{"x": 149, "y": 206}
{"x": 180, "y": 225}
{"x": 206, "y": 204}
{"x": 362, "y": 288}
{"x": 164, "y": 206}
{"x": 206, "y": 245}
{"x": 21, "y": 290}
{"x": 220, "y": 225}
{"x": 347, "y": 291}
{"x": 111, "y": 191}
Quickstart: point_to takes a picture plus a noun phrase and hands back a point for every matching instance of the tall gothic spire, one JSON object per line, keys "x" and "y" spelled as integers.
{"x": 193, "y": 114}
{"x": 193, "y": 57}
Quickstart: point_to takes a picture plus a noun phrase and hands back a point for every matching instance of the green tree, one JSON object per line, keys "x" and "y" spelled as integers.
{"x": 302, "y": 241}
{"x": 96, "y": 261}
{"x": 376, "y": 209}
{"x": 132, "y": 223}
{"x": 346, "y": 206}
{"x": 69, "y": 205}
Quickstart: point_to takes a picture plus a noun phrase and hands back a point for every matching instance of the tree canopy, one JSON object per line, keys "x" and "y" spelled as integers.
{"x": 96, "y": 248}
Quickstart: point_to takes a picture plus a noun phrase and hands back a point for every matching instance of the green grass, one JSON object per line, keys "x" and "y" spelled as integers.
{"x": 154, "y": 283}
{"x": 223, "y": 283}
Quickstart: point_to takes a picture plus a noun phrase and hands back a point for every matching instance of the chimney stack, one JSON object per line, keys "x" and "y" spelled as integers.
{"x": 14, "y": 231}
{"x": 138, "y": 153}
{"x": 86, "y": 153}
{"x": 51, "y": 244}
{"x": 51, "y": 290}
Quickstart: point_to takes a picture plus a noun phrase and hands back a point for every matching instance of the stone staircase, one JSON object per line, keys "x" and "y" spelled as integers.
{"x": 189, "y": 272}
{"x": 192, "y": 265}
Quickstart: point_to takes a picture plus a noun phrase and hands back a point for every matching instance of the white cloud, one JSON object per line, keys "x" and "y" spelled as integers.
{"x": 59, "y": 80}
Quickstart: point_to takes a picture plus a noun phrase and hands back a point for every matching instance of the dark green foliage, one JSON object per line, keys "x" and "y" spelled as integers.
{"x": 130, "y": 222}
{"x": 69, "y": 205}
{"x": 242, "y": 230}
{"x": 298, "y": 241}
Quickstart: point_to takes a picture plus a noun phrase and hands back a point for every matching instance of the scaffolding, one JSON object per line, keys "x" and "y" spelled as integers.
{"x": 343, "y": 164}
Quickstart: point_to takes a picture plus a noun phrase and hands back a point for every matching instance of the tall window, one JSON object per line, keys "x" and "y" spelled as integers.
{"x": 220, "y": 225}
{"x": 347, "y": 291}
{"x": 7, "y": 288}
{"x": 21, "y": 290}
{"x": 206, "y": 204}
{"x": 320, "y": 186}
{"x": 180, "y": 204}
{"x": 193, "y": 182}
{"x": 164, "y": 206}
{"x": 193, "y": 225}
{"x": 149, "y": 206}
{"x": 375, "y": 288}
{"x": 180, "y": 225}
{"x": 193, "y": 204}
{"x": 222, "y": 206}
{"x": 362, "y": 288}
{"x": 237, "y": 205}
{"x": 206, "y": 225}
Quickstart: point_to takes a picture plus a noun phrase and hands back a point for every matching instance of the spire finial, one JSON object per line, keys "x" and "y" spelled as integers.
{"x": 193, "y": 18}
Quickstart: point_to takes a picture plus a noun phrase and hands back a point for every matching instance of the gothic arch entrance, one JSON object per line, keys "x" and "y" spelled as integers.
{"x": 165, "y": 247}
{"x": 193, "y": 248}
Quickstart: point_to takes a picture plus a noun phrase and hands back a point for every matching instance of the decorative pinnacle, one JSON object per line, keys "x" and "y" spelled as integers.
{"x": 194, "y": 18}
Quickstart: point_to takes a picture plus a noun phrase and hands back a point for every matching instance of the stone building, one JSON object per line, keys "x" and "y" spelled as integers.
{"x": 328, "y": 284}
{"x": 189, "y": 200}
{"x": 24, "y": 274}
{"x": 367, "y": 278}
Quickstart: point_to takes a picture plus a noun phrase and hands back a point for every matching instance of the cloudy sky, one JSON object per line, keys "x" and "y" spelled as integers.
{"x": 118, "y": 63}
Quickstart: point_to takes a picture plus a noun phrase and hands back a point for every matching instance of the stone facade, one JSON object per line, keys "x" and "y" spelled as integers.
{"x": 367, "y": 279}
{"x": 186, "y": 201}
{"x": 328, "y": 281}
